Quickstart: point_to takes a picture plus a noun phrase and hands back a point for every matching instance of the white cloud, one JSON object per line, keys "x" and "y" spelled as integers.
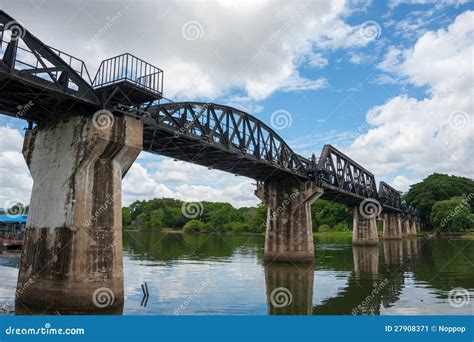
{"x": 187, "y": 182}
{"x": 298, "y": 83}
{"x": 255, "y": 46}
{"x": 434, "y": 134}
{"x": 402, "y": 183}
{"x": 15, "y": 179}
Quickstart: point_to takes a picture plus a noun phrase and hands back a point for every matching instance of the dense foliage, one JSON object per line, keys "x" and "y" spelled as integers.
{"x": 452, "y": 215}
{"x": 438, "y": 187}
{"x": 439, "y": 198}
{"x": 222, "y": 217}
{"x": 330, "y": 216}
{"x": 161, "y": 213}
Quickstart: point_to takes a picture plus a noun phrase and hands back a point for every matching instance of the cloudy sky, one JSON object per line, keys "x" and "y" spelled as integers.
{"x": 389, "y": 83}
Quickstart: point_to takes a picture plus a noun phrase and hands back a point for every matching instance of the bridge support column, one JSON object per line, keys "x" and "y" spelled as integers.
{"x": 289, "y": 233}
{"x": 364, "y": 231}
{"x": 413, "y": 226}
{"x": 392, "y": 226}
{"x": 72, "y": 255}
{"x": 405, "y": 226}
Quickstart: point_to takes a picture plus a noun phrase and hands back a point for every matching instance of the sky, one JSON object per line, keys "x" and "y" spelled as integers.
{"x": 388, "y": 83}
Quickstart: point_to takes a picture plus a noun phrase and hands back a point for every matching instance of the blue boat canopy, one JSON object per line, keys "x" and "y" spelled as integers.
{"x": 13, "y": 218}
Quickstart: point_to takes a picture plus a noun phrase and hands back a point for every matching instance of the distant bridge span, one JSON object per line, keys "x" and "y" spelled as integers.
{"x": 84, "y": 134}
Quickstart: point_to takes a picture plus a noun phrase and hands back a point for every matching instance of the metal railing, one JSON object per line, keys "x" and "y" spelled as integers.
{"x": 127, "y": 67}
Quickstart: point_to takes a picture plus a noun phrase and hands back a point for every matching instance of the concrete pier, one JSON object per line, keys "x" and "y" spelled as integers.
{"x": 289, "y": 233}
{"x": 406, "y": 229}
{"x": 72, "y": 256}
{"x": 364, "y": 231}
{"x": 413, "y": 226}
{"x": 392, "y": 226}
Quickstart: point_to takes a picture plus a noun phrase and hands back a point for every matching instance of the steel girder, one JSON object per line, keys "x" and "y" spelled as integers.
{"x": 205, "y": 133}
{"x": 389, "y": 196}
{"x": 340, "y": 174}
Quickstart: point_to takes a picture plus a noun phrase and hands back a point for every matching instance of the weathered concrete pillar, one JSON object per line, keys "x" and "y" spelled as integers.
{"x": 405, "y": 226}
{"x": 364, "y": 231}
{"x": 72, "y": 256}
{"x": 392, "y": 228}
{"x": 418, "y": 225}
{"x": 413, "y": 225}
{"x": 289, "y": 288}
{"x": 289, "y": 233}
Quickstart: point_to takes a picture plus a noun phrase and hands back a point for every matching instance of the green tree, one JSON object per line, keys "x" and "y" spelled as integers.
{"x": 156, "y": 220}
{"x": 330, "y": 216}
{"x": 194, "y": 226}
{"x": 438, "y": 187}
{"x": 453, "y": 214}
{"x": 126, "y": 217}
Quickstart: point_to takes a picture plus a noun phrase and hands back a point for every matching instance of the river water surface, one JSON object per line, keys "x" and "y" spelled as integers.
{"x": 225, "y": 275}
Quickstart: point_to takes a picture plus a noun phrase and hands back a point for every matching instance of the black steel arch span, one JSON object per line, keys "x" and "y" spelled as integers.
{"x": 220, "y": 137}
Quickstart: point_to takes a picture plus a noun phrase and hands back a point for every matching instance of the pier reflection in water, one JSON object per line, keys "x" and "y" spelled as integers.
{"x": 289, "y": 288}
{"x": 372, "y": 286}
{"x": 214, "y": 275}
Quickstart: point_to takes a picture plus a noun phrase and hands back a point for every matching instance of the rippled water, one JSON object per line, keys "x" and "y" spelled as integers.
{"x": 214, "y": 275}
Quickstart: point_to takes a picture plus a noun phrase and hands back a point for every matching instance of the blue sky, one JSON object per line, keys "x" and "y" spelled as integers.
{"x": 389, "y": 83}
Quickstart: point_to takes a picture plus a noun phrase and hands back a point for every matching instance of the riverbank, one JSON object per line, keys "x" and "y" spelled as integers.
{"x": 345, "y": 233}
{"x": 180, "y": 231}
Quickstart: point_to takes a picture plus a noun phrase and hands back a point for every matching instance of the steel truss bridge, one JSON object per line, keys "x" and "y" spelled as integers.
{"x": 39, "y": 83}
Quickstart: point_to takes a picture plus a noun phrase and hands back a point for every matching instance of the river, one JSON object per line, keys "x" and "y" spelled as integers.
{"x": 225, "y": 275}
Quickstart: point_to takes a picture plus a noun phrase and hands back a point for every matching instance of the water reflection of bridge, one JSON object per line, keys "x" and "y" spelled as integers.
{"x": 370, "y": 286}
